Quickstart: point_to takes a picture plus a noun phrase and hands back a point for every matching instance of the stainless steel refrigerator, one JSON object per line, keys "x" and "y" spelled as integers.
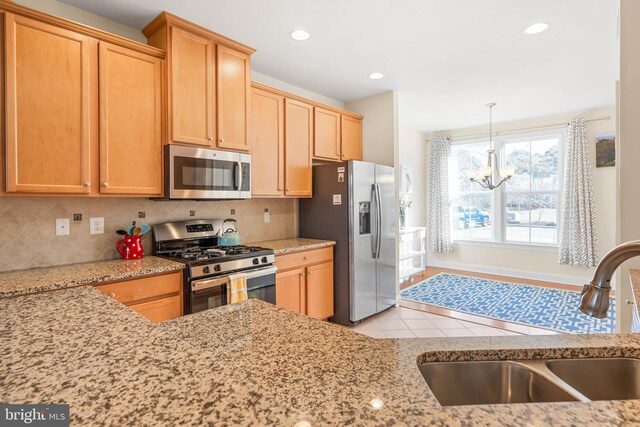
{"x": 354, "y": 204}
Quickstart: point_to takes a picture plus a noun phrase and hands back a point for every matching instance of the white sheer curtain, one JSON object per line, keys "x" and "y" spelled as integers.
{"x": 439, "y": 233}
{"x": 578, "y": 234}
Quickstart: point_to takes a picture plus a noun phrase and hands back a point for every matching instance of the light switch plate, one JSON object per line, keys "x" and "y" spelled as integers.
{"x": 267, "y": 217}
{"x": 62, "y": 226}
{"x": 96, "y": 225}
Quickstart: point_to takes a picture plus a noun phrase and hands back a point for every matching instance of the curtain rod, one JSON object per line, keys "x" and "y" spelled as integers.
{"x": 523, "y": 129}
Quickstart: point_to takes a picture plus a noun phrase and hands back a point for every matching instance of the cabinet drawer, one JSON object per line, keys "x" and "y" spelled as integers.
{"x": 299, "y": 259}
{"x": 161, "y": 309}
{"x": 145, "y": 288}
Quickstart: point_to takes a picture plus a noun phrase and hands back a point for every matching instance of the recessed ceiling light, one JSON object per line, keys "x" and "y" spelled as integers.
{"x": 376, "y": 76}
{"x": 299, "y": 35}
{"x": 536, "y": 28}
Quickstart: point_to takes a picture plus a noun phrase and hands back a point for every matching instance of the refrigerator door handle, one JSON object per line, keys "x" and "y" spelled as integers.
{"x": 378, "y": 221}
{"x": 374, "y": 221}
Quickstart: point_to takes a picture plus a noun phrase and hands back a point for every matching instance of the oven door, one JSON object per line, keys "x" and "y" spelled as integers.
{"x": 208, "y": 293}
{"x": 201, "y": 173}
{"x": 261, "y": 284}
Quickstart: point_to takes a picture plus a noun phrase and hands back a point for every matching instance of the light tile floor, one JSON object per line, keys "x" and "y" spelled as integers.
{"x": 408, "y": 323}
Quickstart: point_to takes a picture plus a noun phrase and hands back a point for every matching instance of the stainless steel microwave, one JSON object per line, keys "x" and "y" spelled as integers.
{"x": 202, "y": 173}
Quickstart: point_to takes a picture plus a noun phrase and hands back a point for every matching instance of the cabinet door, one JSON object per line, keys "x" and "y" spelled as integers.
{"x": 319, "y": 291}
{"x": 351, "y": 138}
{"x": 130, "y": 122}
{"x": 289, "y": 285}
{"x": 49, "y": 107}
{"x": 298, "y": 137}
{"x": 192, "y": 88}
{"x": 267, "y": 143}
{"x": 161, "y": 309}
{"x": 234, "y": 88}
{"x": 326, "y": 135}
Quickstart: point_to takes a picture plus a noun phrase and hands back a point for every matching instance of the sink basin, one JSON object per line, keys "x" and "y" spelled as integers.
{"x": 492, "y": 382}
{"x": 600, "y": 379}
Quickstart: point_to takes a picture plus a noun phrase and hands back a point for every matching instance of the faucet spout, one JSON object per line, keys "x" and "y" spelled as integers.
{"x": 595, "y": 295}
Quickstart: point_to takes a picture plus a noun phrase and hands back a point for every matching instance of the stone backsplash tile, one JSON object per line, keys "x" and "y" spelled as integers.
{"x": 27, "y": 225}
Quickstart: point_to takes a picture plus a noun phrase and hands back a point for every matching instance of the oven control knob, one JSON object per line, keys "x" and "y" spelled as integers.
{"x": 217, "y": 267}
{"x": 264, "y": 259}
{"x": 256, "y": 261}
{"x": 206, "y": 270}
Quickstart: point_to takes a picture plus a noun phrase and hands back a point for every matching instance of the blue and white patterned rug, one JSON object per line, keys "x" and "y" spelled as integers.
{"x": 554, "y": 309}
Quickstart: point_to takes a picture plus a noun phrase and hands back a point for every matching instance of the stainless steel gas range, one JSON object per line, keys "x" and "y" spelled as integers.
{"x": 209, "y": 266}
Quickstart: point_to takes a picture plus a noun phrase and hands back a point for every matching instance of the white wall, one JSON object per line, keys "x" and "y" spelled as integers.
{"x": 380, "y": 126}
{"x": 519, "y": 261}
{"x": 413, "y": 154}
{"x": 63, "y": 10}
{"x": 628, "y": 147}
{"x": 296, "y": 90}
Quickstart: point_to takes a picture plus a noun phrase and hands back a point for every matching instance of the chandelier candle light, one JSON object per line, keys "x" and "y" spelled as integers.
{"x": 490, "y": 176}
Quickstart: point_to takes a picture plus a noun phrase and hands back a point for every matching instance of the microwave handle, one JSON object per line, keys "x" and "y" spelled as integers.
{"x": 239, "y": 175}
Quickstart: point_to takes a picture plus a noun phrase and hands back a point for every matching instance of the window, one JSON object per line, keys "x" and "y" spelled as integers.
{"x": 522, "y": 210}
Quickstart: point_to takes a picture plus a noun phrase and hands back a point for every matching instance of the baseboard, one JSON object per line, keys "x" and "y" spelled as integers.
{"x": 566, "y": 280}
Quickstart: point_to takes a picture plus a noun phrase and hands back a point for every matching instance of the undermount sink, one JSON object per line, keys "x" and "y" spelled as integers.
{"x": 600, "y": 379}
{"x": 477, "y": 383}
{"x": 529, "y": 381}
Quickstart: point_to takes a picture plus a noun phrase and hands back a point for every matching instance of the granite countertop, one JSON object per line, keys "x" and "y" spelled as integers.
{"x": 252, "y": 363}
{"x": 295, "y": 244}
{"x": 22, "y": 282}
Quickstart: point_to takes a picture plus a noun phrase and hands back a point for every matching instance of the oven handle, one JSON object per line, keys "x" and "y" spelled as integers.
{"x": 200, "y": 285}
{"x": 262, "y": 272}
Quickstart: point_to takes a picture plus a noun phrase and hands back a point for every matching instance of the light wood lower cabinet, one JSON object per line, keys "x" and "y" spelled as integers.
{"x": 161, "y": 309}
{"x": 158, "y": 298}
{"x": 304, "y": 282}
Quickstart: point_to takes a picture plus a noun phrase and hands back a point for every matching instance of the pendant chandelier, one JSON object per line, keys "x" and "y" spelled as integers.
{"x": 491, "y": 176}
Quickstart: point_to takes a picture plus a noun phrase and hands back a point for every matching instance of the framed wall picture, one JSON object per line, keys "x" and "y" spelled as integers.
{"x": 605, "y": 150}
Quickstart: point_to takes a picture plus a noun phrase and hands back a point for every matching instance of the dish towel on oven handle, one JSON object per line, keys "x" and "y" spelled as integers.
{"x": 237, "y": 288}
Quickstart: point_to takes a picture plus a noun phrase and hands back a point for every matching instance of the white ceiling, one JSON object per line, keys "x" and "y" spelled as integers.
{"x": 446, "y": 58}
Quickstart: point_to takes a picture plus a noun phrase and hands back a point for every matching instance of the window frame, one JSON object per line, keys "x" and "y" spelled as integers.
{"x": 499, "y": 209}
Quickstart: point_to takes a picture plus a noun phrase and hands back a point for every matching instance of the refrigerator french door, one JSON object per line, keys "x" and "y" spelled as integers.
{"x": 354, "y": 204}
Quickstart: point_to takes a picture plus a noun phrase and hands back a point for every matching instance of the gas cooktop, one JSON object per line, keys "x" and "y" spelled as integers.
{"x": 218, "y": 253}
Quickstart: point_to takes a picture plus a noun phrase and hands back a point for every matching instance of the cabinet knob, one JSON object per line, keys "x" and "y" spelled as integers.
{"x": 301, "y": 274}
{"x": 288, "y": 189}
{"x": 309, "y": 273}
{"x": 210, "y": 138}
{"x": 279, "y": 188}
{"x": 305, "y": 258}
{"x": 86, "y": 183}
{"x": 105, "y": 184}
{"x": 112, "y": 295}
{"x": 221, "y": 139}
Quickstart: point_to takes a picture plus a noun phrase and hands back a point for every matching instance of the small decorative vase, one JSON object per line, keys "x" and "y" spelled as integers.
{"x": 402, "y": 220}
{"x": 130, "y": 247}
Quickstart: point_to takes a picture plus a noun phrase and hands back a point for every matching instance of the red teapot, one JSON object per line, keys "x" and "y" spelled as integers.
{"x": 130, "y": 247}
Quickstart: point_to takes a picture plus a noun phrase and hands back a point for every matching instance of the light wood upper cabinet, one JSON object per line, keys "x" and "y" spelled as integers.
{"x": 351, "y": 138}
{"x": 49, "y": 105}
{"x": 130, "y": 121}
{"x": 267, "y": 143}
{"x": 209, "y": 84}
{"x": 192, "y": 88}
{"x": 234, "y": 88}
{"x": 298, "y": 144}
{"x": 326, "y": 141}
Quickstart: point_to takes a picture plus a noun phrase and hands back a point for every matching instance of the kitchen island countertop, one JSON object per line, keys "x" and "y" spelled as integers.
{"x": 294, "y": 244}
{"x": 41, "y": 279}
{"x": 252, "y": 363}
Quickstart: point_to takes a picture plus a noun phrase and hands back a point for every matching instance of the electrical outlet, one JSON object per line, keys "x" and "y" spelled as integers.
{"x": 267, "y": 217}
{"x": 233, "y": 211}
{"x": 96, "y": 225}
{"x": 192, "y": 213}
{"x": 62, "y": 226}
{"x": 142, "y": 214}
{"x": 77, "y": 217}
